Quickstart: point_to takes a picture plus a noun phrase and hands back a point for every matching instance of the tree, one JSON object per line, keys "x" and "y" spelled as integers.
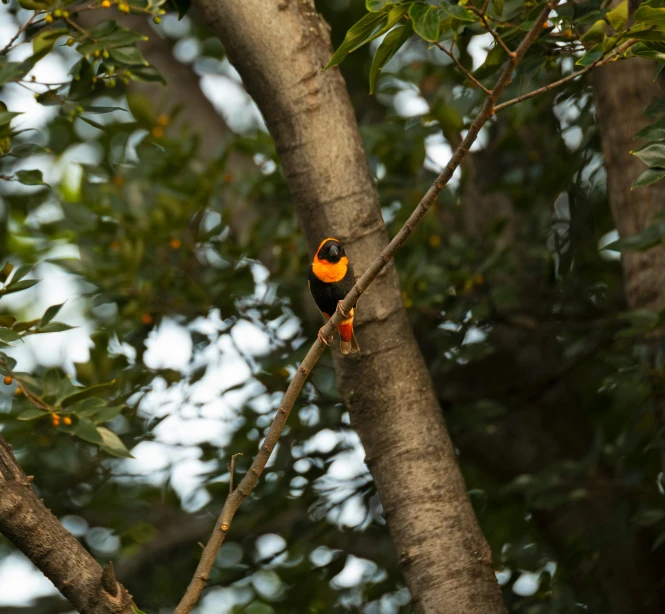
{"x": 171, "y": 259}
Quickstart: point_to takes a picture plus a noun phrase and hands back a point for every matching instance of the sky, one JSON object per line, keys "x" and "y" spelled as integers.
{"x": 170, "y": 345}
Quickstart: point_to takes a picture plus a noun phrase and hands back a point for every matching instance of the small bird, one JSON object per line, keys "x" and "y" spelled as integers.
{"x": 330, "y": 279}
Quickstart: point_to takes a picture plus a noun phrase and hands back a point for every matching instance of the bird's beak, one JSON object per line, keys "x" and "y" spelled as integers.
{"x": 334, "y": 251}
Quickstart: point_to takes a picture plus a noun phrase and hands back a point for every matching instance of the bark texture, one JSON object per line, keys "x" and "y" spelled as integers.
{"x": 279, "y": 48}
{"x": 622, "y": 91}
{"x": 36, "y": 532}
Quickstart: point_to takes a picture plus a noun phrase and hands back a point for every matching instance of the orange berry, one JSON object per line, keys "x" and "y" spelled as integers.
{"x": 163, "y": 120}
{"x": 546, "y": 24}
{"x": 67, "y": 420}
{"x": 228, "y": 178}
{"x": 175, "y": 243}
{"x": 8, "y": 380}
{"x": 19, "y": 391}
{"x": 157, "y": 132}
{"x": 106, "y": 4}
{"x": 146, "y": 319}
{"x": 55, "y": 420}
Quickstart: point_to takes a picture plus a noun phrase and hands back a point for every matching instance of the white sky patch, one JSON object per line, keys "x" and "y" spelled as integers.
{"x": 409, "y": 103}
{"x": 21, "y": 581}
{"x": 606, "y": 239}
{"x": 478, "y": 48}
{"x": 233, "y": 103}
{"x": 169, "y": 347}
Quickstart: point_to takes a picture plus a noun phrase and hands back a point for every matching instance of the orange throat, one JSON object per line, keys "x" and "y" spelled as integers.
{"x": 330, "y": 272}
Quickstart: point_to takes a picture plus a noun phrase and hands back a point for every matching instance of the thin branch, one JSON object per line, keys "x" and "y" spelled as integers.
{"x": 232, "y": 470}
{"x": 20, "y": 31}
{"x": 599, "y": 62}
{"x": 499, "y": 41}
{"x": 250, "y": 479}
{"x": 469, "y": 76}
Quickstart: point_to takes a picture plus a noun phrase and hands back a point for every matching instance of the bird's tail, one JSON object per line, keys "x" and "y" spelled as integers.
{"x": 349, "y": 347}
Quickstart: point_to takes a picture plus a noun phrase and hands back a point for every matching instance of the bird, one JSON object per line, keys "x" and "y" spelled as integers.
{"x": 330, "y": 279}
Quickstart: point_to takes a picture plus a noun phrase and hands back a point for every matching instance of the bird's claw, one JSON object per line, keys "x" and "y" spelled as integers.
{"x": 322, "y": 339}
{"x": 340, "y": 308}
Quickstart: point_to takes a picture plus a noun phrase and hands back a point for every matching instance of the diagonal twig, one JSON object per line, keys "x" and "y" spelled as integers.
{"x": 232, "y": 470}
{"x": 250, "y": 479}
{"x": 459, "y": 65}
{"x": 599, "y": 62}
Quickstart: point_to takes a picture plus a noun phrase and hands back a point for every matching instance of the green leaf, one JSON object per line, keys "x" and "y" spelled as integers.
{"x": 50, "y": 313}
{"x": 54, "y": 327}
{"x": 653, "y": 132}
{"x": 591, "y": 56}
{"x": 32, "y": 177}
{"x": 19, "y": 285}
{"x": 7, "y": 321}
{"x": 652, "y": 155}
{"x": 498, "y": 8}
{"x": 367, "y": 29}
{"x": 112, "y": 443}
{"x": 641, "y": 241}
{"x": 107, "y": 413}
{"x": 130, "y": 56}
{"x": 649, "y": 15}
{"x": 81, "y": 83}
{"x": 427, "y": 20}
{"x": 387, "y": 49}
{"x": 141, "y": 108}
{"x": 137, "y": 611}
{"x": 86, "y": 430}
{"x": 11, "y": 71}
{"x": 596, "y": 33}
{"x": 495, "y": 58}
{"x": 43, "y": 42}
{"x": 85, "y": 393}
{"x": 459, "y": 12}
{"x": 7, "y": 335}
{"x": 648, "y": 177}
{"x": 5, "y": 272}
{"x": 182, "y": 6}
{"x": 618, "y": 16}
{"x": 32, "y": 413}
{"x": 647, "y": 518}
{"x": 27, "y": 149}
{"x": 656, "y": 108}
{"x": 92, "y": 122}
{"x": 374, "y": 6}
{"x": 19, "y": 327}
{"x": 7, "y": 116}
{"x": 21, "y": 272}
{"x": 34, "y": 5}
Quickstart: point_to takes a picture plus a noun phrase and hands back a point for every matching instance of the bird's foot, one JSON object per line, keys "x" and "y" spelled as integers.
{"x": 340, "y": 308}
{"x": 322, "y": 339}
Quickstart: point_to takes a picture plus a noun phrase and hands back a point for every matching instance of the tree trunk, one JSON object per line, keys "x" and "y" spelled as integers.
{"x": 622, "y": 91}
{"x": 279, "y": 49}
{"x": 36, "y": 532}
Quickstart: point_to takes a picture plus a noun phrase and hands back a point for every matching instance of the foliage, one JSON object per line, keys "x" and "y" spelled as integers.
{"x": 547, "y": 385}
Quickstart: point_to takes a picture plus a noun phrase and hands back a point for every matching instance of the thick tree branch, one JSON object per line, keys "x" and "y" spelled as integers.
{"x": 36, "y": 532}
{"x": 251, "y": 478}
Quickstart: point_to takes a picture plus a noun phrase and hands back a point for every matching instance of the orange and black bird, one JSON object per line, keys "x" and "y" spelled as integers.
{"x": 330, "y": 280}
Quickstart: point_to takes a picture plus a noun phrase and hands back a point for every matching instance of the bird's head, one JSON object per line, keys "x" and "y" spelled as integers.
{"x": 330, "y": 250}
